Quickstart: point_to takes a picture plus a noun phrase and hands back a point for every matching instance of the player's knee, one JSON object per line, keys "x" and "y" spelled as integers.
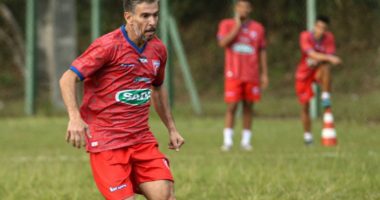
{"x": 165, "y": 195}
{"x": 231, "y": 108}
{"x": 247, "y": 105}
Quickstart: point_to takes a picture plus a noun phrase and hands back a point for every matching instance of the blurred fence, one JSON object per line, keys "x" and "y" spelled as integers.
{"x": 354, "y": 22}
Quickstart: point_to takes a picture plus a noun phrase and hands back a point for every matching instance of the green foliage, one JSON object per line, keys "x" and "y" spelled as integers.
{"x": 354, "y": 22}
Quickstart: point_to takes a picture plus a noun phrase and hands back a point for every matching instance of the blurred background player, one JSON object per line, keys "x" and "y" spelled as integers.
{"x": 244, "y": 43}
{"x": 318, "y": 54}
{"x": 121, "y": 71}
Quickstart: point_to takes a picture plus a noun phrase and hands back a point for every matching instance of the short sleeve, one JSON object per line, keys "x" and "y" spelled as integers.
{"x": 305, "y": 43}
{"x": 330, "y": 45}
{"x": 90, "y": 61}
{"x": 160, "y": 76}
{"x": 222, "y": 30}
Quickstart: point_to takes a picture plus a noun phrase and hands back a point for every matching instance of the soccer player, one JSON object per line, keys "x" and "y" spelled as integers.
{"x": 244, "y": 42}
{"x": 318, "y": 55}
{"x": 121, "y": 71}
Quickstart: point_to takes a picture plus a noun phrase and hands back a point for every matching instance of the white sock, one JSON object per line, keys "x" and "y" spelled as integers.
{"x": 246, "y": 138}
{"x": 228, "y": 133}
{"x": 307, "y": 136}
{"x": 325, "y": 95}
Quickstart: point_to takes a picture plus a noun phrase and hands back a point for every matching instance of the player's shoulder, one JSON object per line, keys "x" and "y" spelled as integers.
{"x": 305, "y": 34}
{"x": 110, "y": 39}
{"x": 329, "y": 35}
{"x": 226, "y": 22}
{"x": 158, "y": 46}
{"x": 157, "y": 42}
{"x": 256, "y": 23}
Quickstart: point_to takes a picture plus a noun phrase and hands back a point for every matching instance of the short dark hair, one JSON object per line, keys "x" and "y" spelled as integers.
{"x": 130, "y": 5}
{"x": 324, "y": 19}
{"x": 248, "y": 1}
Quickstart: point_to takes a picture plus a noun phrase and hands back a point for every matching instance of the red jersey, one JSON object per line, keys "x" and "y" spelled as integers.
{"x": 242, "y": 57}
{"x": 308, "y": 43}
{"x": 118, "y": 76}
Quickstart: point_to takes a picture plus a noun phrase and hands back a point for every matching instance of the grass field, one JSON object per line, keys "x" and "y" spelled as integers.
{"x": 36, "y": 163}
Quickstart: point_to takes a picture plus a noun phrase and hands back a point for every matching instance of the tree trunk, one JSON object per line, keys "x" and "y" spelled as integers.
{"x": 58, "y": 43}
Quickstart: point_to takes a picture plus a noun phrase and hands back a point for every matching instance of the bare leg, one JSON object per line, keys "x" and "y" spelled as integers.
{"x": 230, "y": 115}
{"x": 305, "y": 117}
{"x": 247, "y": 115}
{"x": 324, "y": 76}
{"x": 158, "y": 190}
{"x": 228, "y": 127}
{"x": 247, "y": 125}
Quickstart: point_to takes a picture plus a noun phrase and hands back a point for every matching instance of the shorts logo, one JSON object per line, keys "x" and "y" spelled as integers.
{"x": 134, "y": 97}
{"x": 256, "y": 90}
{"x": 114, "y": 189}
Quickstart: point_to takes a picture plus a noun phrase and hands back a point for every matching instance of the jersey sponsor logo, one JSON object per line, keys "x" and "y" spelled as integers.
{"x": 134, "y": 97}
{"x": 143, "y": 60}
{"x": 114, "y": 189}
{"x": 142, "y": 79}
{"x": 127, "y": 65}
{"x": 243, "y": 48}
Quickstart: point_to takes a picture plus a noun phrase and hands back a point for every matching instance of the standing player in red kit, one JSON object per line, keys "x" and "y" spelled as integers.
{"x": 244, "y": 43}
{"x": 318, "y": 54}
{"x": 121, "y": 71}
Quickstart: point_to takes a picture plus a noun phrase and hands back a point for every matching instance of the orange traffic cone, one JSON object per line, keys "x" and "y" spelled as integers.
{"x": 328, "y": 131}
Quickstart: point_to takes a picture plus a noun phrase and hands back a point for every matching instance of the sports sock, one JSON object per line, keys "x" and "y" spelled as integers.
{"x": 325, "y": 95}
{"x": 307, "y": 136}
{"x": 228, "y": 133}
{"x": 246, "y": 138}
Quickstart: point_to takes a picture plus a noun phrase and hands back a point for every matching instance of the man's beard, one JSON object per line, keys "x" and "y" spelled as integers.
{"x": 140, "y": 35}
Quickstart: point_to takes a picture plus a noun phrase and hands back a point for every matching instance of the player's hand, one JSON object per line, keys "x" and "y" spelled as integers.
{"x": 76, "y": 131}
{"x": 335, "y": 60}
{"x": 176, "y": 140}
{"x": 237, "y": 20}
{"x": 264, "y": 81}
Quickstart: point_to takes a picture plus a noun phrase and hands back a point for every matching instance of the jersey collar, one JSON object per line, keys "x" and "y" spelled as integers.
{"x": 140, "y": 50}
{"x": 315, "y": 40}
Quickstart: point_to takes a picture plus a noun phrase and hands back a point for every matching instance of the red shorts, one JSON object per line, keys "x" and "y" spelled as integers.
{"x": 236, "y": 90}
{"x": 304, "y": 89}
{"x": 119, "y": 172}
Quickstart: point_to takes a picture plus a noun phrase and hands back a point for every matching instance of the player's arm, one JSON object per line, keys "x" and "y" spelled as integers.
{"x": 264, "y": 69}
{"x": 226, "y": 40}
{"x": 308, "y": 48}
{"x": 77, "y": 128}
{"x": 161, "y": 105}
{"x": 321, "y": 57}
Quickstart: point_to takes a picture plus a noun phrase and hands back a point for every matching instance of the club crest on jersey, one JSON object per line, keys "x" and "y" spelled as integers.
{"x": 253, "y": 34}
{"x": 134, "y": 97}
{"x": 156, "y": 65}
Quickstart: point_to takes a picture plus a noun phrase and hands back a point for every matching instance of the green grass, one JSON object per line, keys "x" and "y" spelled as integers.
{"x": 36, "y": 163}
